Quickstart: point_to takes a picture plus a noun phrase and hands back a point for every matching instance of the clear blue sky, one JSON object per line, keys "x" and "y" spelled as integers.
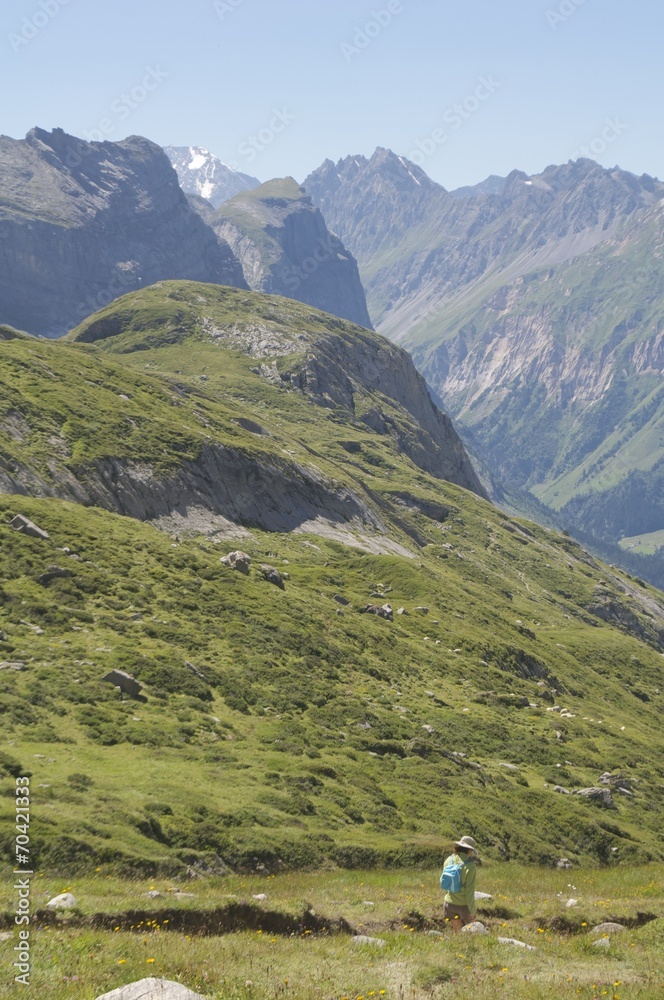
{"x": 219, "y": 75}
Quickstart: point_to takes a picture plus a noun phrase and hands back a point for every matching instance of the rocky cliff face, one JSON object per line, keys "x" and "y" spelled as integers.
{"x": 534, "y": 305}
{"x": 81, "y": 223}
{"x": 286, "y": 249}
{"x": 203, "y": 174}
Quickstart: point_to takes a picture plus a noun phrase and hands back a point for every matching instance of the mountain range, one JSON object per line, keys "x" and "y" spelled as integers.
{"x": 533, "y": 305}
{"x": 81, "y": 223}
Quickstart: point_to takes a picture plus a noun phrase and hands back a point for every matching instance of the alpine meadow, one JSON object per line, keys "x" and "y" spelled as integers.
{"x": 331, "y": 502}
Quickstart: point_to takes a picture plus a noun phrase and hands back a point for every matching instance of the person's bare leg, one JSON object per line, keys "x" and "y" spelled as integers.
{"x": 456, "y": 924}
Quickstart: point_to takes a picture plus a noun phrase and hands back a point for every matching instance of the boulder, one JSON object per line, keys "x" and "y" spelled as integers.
{"x": 12, "y": 665}
{"x": 238, "y": 560}
{"x": 383, "y": 611}
{"x": 477, "y": 927}
{"x": 483, "y": 895}
{"x": 516, "y": 943}
{"x": 402, "y": 611}
{"x": 365, "y": 939}
{"x": 53, "y": 573}
{"x": 602, "y": 796}
{"x": 155, "y": 894}
{"x": 341, "y": 600}
{"x": 127, "y": 684}
{"x": 602, "y": 943}
{"x": 152, "y": 989}
{"x": 260, "y": 896}
{"x": 564, "y": 864}
{"x": 561, "y": 790}
{"x": 608, "y": 928}
{"x": 615, "y": 780}
{"x": 65, "y": 901}
{"x": 509, "y": 767}
{"x": 28, "y": 527}
{"x": 272, "y": 575}
{"x": 423, "y": 611}
{"x": 571, "y": 902}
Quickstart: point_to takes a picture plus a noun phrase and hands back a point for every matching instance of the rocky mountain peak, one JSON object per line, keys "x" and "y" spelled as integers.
{"x": 202, "y": 173}
{"x": 285, "y": 248}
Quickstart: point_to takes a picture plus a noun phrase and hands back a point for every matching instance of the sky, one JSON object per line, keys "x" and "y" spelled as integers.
{"x": 274, "y": 87}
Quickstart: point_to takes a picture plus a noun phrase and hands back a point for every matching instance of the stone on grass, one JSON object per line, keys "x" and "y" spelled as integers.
{"x": 365, "y": 939}
{"x": 477, "y": 927}
{"x": 564, "y": 863}
{"x": 341, "y": 600}
{"x": 561, "y": 790}
{"x": 53, "y": 573}
{"x": 65, "y": 901}
{"x": 600, "y": 795}
{"x": 272, "y": 575}
{"x": 517, "y": 944}
{"x": 152, "y": 989}
{"x": 572, "y": 902}
{"x": 602, "y": 943}
{"x": 608, "y": 928}
{"x": 508, "y": 767}
{"x": 238, "y": 560}
{"x": 127, "y": 684}
{"x": 435, "y": 933}
{"x": 260, "y": 895}
{"x": 28, "y": 527}
{"x": 383, "y": 611}
{"x": 12, "y": 665}
{"x": 483, "y": 895}
{"x": 155, "y": 894}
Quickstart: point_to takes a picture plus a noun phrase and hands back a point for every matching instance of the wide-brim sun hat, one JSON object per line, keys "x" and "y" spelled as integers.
{"x": 466, "y": 842}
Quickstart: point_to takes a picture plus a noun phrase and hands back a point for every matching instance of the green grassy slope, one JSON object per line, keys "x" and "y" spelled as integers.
{"x": 315, "y": 732}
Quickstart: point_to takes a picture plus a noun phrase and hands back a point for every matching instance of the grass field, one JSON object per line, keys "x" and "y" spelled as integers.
{"x": 528, "y": 904}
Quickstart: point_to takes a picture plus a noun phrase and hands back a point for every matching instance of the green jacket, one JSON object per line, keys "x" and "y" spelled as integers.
{"x": 466, "y": 895}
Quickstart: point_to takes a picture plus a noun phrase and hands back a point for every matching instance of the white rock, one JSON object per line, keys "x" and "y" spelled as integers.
{"x": 65, "y": 901}
{"x": 517, "y": 944}
{"x": 483, "y": 895}
{"x": 430, "y": 933}
{"x": 260, "y": 895}
{"x": 367, "y": 902}
{"x": 364, "y": 939}
{"x": 510, "y": 767}
{"x": 602, "y": 943}
{"x": 152, "y": 989}
{"x": 477, "y": 927}
{"x": 608, "y": 928}
{"x": 572, "y": 902}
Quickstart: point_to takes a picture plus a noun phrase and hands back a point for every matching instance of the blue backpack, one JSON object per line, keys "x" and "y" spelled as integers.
{"x": 450, "y": 880}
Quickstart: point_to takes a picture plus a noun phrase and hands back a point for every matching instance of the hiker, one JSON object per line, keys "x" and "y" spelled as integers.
{"x": 458, "y": 879}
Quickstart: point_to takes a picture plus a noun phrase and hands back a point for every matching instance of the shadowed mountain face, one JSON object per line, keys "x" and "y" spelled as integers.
{"x": 286, "y": 249}
{"x": 81, "y": 223}
{"x": 203, "y": 174}
{"x": 534, "y": 305}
